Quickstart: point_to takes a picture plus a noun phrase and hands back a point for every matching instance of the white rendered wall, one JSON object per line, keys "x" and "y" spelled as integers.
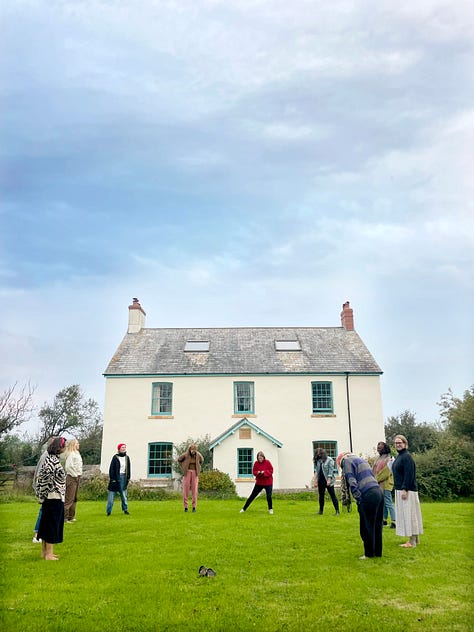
{"x": 205, "y": 406}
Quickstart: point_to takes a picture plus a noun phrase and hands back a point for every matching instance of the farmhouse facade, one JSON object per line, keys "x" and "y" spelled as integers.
{"x": 283, "y": 390}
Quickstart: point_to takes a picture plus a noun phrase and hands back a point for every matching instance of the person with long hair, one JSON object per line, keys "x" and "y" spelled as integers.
{"x": 324, "y": 478}
{"x": 382, "y": 468}
{"x": 73, "y": 469}
{"x": 407, "y": 502}
{"x": 50, "y": 492}
{"x": 263, "y": 472}
{"x": 191, "y": 462}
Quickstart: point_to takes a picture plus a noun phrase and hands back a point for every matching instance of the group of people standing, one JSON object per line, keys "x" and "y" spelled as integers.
{"x": 371, "y": 489}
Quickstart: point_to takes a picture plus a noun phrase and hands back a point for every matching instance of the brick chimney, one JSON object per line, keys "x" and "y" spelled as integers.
{"x": 347, "y": 317}
{"x": 136, "y": 317}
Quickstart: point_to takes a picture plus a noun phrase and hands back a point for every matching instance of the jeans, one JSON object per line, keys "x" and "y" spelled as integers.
{"x": 123, "y": 495}
{"x": 38, "y": 519}
{"x": 388, "y": 505}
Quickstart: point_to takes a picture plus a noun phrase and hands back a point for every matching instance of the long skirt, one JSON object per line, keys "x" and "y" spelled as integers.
{"x": 52, "y": 521}
{"x": 408, "y": 513}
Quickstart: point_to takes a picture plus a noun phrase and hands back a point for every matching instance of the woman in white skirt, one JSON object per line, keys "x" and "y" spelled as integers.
{"x": 407, "y": 503}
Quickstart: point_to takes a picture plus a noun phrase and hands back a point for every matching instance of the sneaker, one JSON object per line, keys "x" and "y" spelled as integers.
{"x": 126, "y": 513}
{"x": 320, "y": 513}
{"x": 185, "y": 510}
{"x": 36, "y": 540}
{"x": 337, "y": 513}
{"x": 393, "y": 525}
{"x": 363, "y": 557}
{"x": 242, "y": 511}
{"x": 385, "y": 523}
{"x": 270, "y": 511}
{"x": 108, "y": 513}
{"x": 73, "y": 520}
{"x": 194, "y": 509}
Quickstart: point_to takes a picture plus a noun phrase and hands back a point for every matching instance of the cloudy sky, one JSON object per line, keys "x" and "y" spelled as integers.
{"x": 237, "y": 163}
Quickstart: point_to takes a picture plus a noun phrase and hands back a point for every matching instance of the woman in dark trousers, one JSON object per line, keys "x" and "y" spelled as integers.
{"x": 369, "y": 498}
{"x": 324, "y": 478}
{"x": 263, "y": 472}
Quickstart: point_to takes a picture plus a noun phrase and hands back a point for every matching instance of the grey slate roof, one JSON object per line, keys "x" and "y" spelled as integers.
{"x": 241, "y": 350}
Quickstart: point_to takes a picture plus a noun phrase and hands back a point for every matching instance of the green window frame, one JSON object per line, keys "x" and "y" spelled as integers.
{"x": 244, "y": 398}
{"x": 244, "y": 462}
{"x": 329, "y": 446}
{"x": 160, "y": 460}
{"x": 322, "y": 398}
{"x": 162, "y": 398}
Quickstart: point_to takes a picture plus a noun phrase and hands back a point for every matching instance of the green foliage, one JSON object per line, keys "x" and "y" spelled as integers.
{"x": 274, "y": 573}
{"x": 15, "y": 452}
{"x": 216, "y": 481}
{"x": 421, "y": 437}
{"x": 458, "y": 414}
{"x": 94, "y": 488}
{"x": 202, "y": 444}
{"x": 69, "y": 413}
{"x": 447, "y": 471}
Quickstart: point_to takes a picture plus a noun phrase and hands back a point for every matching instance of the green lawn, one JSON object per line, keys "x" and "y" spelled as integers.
{"x": 290, "y": 571}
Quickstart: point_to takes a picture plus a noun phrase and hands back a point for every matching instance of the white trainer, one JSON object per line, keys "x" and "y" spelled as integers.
{"x": 242, "y": 511}
{"x": 270, "y": 511}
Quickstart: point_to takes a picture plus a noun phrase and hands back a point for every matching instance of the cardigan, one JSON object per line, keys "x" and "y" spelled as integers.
{"x": 114, "y": 473}
{"x": 265, "y": 479}
{"x": 404, "y": 472}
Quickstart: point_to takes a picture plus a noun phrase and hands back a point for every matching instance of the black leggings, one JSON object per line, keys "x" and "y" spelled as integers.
{"x": 321, "y": 489}
{"x": 256, "y": 491}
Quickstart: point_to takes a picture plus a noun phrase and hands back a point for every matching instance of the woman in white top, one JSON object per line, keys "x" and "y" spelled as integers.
{"x": 73, "y": 469}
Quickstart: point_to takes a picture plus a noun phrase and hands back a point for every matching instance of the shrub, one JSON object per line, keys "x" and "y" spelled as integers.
{"x": 215, "y": 482}
{"x": 447, "y": 471}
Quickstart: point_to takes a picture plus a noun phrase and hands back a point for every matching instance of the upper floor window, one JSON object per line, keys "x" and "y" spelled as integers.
{"x": 244, "y": 397}
{"x": 244, "y": 462}
{"x": 160, "y": 459}
{"x": 287, "y": 345}
{"x": 322, "y": 397}
{"x": 162, "y": 398}
{"x": 196, "y": 345}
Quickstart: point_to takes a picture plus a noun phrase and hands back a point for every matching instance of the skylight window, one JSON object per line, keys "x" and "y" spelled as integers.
{"x": 287, "y": 345}
{"x": 196, "y": 345}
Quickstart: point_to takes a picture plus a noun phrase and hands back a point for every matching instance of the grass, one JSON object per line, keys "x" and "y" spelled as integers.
{"x": 290, "y": 571}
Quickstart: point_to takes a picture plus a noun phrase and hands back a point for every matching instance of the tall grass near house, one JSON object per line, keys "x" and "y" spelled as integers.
{"x": 294, "y": 570}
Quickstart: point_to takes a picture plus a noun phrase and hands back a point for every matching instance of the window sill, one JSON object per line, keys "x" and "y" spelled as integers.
{"x": 241, "y": 415}
{"x": 161, "y": 417}
{"x": 244, "y": 480}
{"x": 319, "y": 415}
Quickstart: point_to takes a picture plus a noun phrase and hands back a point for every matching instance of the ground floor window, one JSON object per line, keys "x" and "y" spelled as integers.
{"x": 244, "y": 462}
{"x": 160, "y": 460}
{"x": 329, "y": 446}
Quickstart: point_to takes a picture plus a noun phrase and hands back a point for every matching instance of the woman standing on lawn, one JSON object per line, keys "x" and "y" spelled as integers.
{"x": 369, "y": 499}
{"x": 73, "y": 468}
{"x": 50, "y": 492}
{"x": 383, "y": 473}
{"x": 324, "y": 478}
{"x": 407, "y": 503}
{"x": 191, "y": 462}
{"x": 263, "y": 472}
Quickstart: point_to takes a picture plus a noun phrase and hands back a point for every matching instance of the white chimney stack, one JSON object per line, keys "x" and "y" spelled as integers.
{"x": 136, "y": 317}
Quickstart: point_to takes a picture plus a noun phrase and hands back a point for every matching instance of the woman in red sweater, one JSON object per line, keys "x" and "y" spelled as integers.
{"x": 263, "y": 472}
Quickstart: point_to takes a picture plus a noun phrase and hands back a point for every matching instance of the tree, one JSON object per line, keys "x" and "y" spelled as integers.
{"x": 15, "y": 407}
{"x": 15, "y": 452}
{"x": 458, "y": 414}
{"x": 91, "y": 443}
{"x": 421, "y": 437}
{"x": 70, "y": 413}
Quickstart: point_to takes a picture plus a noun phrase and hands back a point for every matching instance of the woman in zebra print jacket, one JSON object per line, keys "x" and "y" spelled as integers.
{"x": 50, "y": 491}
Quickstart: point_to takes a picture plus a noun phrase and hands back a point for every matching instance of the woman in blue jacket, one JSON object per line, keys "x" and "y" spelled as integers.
{"x": 324, "y": 478}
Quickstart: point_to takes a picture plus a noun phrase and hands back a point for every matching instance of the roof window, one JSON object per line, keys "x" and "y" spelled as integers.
{"x": 287, "y": 345}
{"x": 196, "y": 345}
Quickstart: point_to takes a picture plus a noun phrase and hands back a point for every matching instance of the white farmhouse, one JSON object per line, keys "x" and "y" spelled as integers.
{"x": 283, "y": 390}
